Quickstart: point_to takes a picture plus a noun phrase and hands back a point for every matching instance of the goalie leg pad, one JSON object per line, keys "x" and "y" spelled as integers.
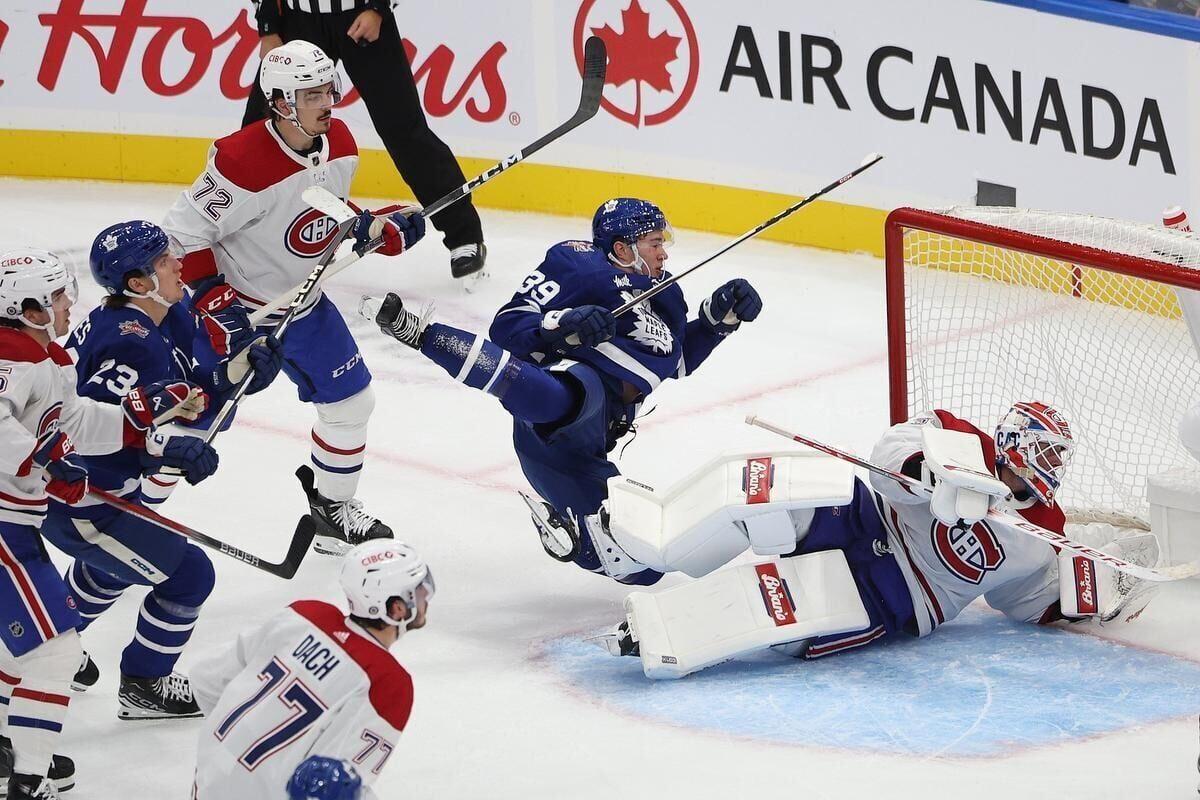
{"x": 742, "y": 610}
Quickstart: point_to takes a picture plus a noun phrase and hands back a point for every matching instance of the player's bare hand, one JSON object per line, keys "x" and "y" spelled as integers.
{"x": 365, "y": 27}
{"x": 268, "y": 43}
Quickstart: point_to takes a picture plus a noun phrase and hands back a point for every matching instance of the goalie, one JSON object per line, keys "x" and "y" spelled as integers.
{"x": 887, "y": 561}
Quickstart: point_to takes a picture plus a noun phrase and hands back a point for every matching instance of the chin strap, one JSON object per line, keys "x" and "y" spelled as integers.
{"x": 638, "y": 264}
{"x": 150, "y": 295}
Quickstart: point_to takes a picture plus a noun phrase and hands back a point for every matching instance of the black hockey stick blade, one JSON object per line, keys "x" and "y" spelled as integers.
{"x": 595, "y": 68}
{"x": 306, "y": 529}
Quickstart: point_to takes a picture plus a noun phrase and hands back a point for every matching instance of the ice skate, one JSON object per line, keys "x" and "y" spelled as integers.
{"x": 559, "y": 537}
{"x": 62, "y": 770}
{"x": 340, "y": 524}
{"x": 168, "y": 697}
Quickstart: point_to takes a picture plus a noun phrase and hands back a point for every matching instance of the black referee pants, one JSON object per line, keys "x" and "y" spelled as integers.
{"x": 381, "y": 73}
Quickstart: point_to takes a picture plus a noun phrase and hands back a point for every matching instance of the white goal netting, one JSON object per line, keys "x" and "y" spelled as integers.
{"x": 990, "y": 318}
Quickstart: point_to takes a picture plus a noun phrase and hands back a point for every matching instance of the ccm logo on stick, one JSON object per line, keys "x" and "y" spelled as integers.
{"x": 775, "y": 594}
{"x": 757, "y": 477}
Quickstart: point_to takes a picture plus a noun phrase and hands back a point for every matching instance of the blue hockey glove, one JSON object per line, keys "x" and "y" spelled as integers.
{"x": 264, "y": 356}
{"x": 729, "y": 306}
{"x": 585, "y": 326}
{"x": 225, "y": 320}
{"x": 402, "y": 227}
{"x": 68, "y": 474}
{"x": 194, "y": 457}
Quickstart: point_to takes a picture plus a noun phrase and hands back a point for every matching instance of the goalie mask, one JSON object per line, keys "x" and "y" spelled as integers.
{"x": 1035, "y": 442}
{"x": 376, "y": 571}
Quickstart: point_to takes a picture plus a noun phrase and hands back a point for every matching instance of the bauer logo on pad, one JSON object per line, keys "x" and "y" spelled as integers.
{"x": 775, "y": 594}
{"x": 757, "y": 477}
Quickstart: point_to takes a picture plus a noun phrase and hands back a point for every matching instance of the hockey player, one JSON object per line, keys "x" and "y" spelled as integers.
{"x": 244, "y": 218}
{"x": 314, "y": 681}
{"x": 44, "y": 429}
{"x": 895, "y": 562}
{"x": 144, "y": 331}
{"x": 574, "y": 376}
{"x": 322, "y": 778}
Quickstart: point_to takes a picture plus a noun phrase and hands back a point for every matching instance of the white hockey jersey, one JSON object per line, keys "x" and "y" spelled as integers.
{"x": 308, "y": 682}
{"x": 947, "y": 569}
{"x": 37, "y": 397}
{"x": 244, "y": 216}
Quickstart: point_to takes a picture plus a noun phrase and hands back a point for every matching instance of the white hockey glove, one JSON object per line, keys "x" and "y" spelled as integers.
{"x": 1087, "y": 589}
{"x": 963, "y": 488}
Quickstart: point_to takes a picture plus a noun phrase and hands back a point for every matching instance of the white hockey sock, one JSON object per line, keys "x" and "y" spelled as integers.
{"x": 339, "y": 440}
{"x": 8, "y": 680}
{"x": 39, "y": 703}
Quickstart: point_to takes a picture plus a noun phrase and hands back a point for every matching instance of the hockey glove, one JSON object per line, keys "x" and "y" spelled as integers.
{"x": 68, "y": 475}
{"x": 400, "y": 226}
{"x": 225, "y": 320}
{"x": 194, "y": 457}
{"x": 586, "y": 326}
{"x": 264, "y": 356}
{"x": 159, "y": 402}
{"x": 734, "y": 303}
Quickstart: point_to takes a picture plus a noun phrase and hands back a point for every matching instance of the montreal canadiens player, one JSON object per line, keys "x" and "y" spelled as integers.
{"x": 244, "y": 221}
{"x": 44, "y": 428}
{"x": 574, "y": 376}
{"x": 913, "y": 562}
{"x": 144, "y": 332}
{"x": 314, "y": 681}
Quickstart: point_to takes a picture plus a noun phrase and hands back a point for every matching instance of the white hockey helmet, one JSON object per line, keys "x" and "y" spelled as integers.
{"x": 1035, "y": 441}
{"x": 31, "y": 274}
{"x": 294, "y": 66}
{"x": 378, "y": 570}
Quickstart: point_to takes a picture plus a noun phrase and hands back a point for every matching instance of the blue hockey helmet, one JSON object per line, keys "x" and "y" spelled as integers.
{"x": 322, "y": 778}
{"x": 123, "y": 248}
{"x": 625, "y": 219}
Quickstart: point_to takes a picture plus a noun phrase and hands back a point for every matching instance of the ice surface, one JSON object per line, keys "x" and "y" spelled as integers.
{"x": 509, "y": 705}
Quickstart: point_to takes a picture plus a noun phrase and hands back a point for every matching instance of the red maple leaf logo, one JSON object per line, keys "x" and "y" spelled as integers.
{"x": 635, "y": 55}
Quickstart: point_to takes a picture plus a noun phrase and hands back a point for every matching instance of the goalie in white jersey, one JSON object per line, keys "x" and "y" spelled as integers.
{"x": 313, "y": 681}
{"x": 250, "y": 237}
{"x": 888, "y": 562}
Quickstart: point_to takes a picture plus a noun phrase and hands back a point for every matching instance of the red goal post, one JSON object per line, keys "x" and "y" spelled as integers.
{"x": 987, "y": 306}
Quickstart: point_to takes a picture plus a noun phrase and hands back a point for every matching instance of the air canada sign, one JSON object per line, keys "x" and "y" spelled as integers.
{"x": 970, "y": 97}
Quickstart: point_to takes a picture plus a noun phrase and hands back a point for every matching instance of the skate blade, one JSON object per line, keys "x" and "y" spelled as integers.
{"x": 330, "y": 546}
{"x": 125, "y": 712}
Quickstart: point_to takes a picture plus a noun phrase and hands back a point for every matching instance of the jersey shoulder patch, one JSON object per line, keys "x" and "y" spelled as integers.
{"x": 391, "y": 692}
{"x": 252, "y": 159}
{"x": 16, "y": 346}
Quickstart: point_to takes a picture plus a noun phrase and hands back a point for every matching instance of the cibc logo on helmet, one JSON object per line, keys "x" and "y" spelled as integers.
{"x": 19, "y": 261}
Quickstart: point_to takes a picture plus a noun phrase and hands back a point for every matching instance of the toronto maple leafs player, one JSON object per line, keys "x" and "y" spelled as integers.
{"x": 145, "y": 332}
{"x": 45, "y": 428}
{"x": 895, "y": 562}
{"x": 314, "y": 680}
{"x": 574, "y": 376}
{"x": 245, "y": 220}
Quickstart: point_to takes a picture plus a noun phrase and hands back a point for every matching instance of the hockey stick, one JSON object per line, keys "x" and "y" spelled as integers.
{"x": 301, "y": 539}
{"x": 1174, "y": 573}
{"x": 867, "y": 163}
{"x": 595, "y": 67}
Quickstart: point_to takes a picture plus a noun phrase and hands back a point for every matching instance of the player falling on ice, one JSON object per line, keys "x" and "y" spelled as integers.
{"x": 45, "y": 427}
{"x": 244, "y": 221}
{"x": 144, "y": 332}
{"x": 314, "y": 681}
{"x": 572, "y": 375}
{"x": 894, "y": 562}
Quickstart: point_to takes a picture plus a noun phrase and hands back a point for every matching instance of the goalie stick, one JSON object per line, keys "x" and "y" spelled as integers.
{"x": 1174, "y": 573}
{"x": 595, "y": 67}
{"x": 867, "y": 163}
{"x": 301, "y": 539}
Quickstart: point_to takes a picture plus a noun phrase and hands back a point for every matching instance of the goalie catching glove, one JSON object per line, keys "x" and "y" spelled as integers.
{"x": 401, "y": 226}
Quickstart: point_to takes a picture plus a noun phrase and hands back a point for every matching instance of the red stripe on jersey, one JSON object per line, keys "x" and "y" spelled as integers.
{"x": 16, "y": 346}
{"x": 9, "y": 679}
{"x": 165, "y": 484}
{"x": 921, "y": 579}
{"x": 391, "y": 692}
{"x": 22, "y": 501}
{"x": 58, "y": 355}
{"x": 255, "y": 160}
{"x": 199, "y": 265}
{"x": 41, "y": 697}
{"x": 335, "y": 450}
{"x": 25, "y": 589}
{"x": 845, "y": 644}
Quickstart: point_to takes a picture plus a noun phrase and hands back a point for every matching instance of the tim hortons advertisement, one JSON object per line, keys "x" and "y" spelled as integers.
{"x": 762, "y": 94}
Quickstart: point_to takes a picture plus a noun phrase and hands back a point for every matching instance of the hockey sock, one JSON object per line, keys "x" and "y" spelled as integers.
{"x": 8, "y": 679}
{"x": 339, "y": 440}
{"x": 157, "y": 488}
{"x": 526, "y": 391}
{"x": 167, "y": 618}
{"x": 39, "y": 703}
{"x": 94, "y": 591}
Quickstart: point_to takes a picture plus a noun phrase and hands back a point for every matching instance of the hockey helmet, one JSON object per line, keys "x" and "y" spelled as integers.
{"x": 36, "y": 275}
{"x": 323, "y": 778}
{"x": 1035, "y": 442}
{"x": 294, "y": 66}
{"x": 130, "y": 247}
{"x": 626, "y": 219}
{"x": 378, "y": 570}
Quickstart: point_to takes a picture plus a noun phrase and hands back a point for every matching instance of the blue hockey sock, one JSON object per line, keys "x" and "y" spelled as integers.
{"x": 167, "y": 617}
{"x": 94, "y": 591}
{"x": 526, "y": 391}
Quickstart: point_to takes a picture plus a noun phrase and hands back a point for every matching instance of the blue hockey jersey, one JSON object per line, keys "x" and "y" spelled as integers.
{"x": 654, "y": 340}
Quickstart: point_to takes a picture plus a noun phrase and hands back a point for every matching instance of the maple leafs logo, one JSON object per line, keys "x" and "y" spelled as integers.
{"x": 640, "y": 58}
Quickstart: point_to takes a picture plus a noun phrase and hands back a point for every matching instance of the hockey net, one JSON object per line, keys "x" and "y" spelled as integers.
{"x": 987, "y": 306}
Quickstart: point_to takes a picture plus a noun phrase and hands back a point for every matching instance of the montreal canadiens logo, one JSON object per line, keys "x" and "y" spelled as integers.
{"x": 308, "y": 234}
{"x": 653, "y": 58}
{"x": 48, "y": 424}
{"x": 969, "y": 553}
